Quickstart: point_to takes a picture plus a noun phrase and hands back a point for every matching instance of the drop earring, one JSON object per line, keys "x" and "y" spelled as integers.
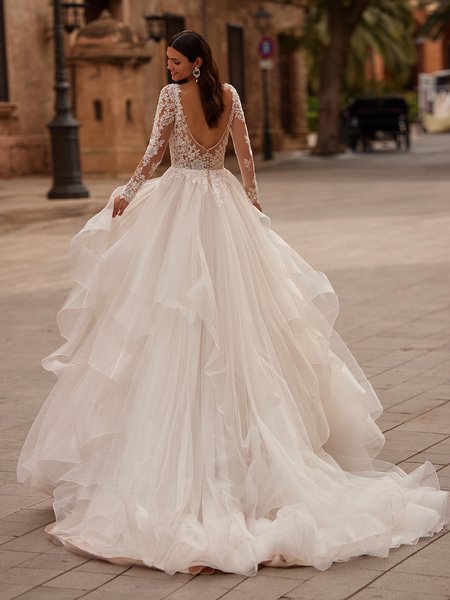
{"x": 196, "y": 74}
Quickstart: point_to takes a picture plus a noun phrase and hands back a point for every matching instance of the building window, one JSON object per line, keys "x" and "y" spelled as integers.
{"x": 94, "y": 8}
{"x": 236, "y": 75}
{"x": 98, "y": 110}
{"x": 4, "y": 94}
{"x": 175, "y": 24}
{"x": 287, "y": 103}
{"x": 128, "y": 112}
{"x": 446, "y": 53}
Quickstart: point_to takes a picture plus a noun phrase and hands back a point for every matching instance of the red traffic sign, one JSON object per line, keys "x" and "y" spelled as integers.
{"x": 266, "y": 47}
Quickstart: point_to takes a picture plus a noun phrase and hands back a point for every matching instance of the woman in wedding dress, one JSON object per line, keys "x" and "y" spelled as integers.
{"x": 206, "y": 416}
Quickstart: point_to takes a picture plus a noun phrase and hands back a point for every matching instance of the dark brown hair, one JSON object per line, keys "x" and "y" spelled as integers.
{"x": 192, "y": 45}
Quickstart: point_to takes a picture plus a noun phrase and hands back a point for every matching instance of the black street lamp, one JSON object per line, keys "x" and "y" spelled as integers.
{"x": 263, "y": 19}
{"x": 73, "y": 15}
{"x": 163, "y": 27}
{"x": 64, "y": 127}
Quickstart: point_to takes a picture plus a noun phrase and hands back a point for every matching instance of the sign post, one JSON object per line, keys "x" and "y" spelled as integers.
{"x": 265, "y": 50}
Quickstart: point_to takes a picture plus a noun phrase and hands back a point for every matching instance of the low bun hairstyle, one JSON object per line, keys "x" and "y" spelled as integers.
{"x": 192, "y": 45}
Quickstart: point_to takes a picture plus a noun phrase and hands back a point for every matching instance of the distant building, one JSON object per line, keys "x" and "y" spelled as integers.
{"x": 26, "y": 86}
{"x": 137, "y": 66}
{"x": 432, "y": 55}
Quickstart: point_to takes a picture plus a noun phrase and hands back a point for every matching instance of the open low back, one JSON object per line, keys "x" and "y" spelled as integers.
{"x": 204, "y": 136}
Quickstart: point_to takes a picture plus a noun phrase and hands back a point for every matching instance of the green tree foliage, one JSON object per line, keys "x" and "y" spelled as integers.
{"x": 339, "y": 36}
{"x": 438, "y": 20}
{"x": 386, "y": 27}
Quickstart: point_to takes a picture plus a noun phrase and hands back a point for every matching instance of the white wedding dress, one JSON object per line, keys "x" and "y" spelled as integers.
{"x": 206, "y": 412}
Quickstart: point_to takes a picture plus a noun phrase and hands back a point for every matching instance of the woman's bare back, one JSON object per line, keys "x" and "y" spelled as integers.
{"x": 205, "y": 136}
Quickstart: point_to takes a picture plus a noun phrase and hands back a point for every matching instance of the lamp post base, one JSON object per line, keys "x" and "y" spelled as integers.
{"x": 267, "y": 146}
{"x": 67, "y": 181}
{"x": 67, "y": 190}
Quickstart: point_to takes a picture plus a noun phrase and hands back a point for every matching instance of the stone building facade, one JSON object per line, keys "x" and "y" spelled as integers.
{"x": 432, "y": 55}
{"x": 132, "y": 72}
{"x": 26, "y": 86}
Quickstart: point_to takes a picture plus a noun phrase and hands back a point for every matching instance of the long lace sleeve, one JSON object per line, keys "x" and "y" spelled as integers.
{"x": 162, "y": 128}
{"x": 243, "y": 149}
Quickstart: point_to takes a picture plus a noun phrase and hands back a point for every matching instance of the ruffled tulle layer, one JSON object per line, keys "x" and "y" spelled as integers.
{"x": 206, "y": 412}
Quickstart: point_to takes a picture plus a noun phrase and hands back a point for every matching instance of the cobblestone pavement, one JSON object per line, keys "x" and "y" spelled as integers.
{"x": 379, "y": 225}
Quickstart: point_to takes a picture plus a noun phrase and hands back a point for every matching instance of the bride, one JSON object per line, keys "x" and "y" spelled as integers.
{"x": 206, "y": 416}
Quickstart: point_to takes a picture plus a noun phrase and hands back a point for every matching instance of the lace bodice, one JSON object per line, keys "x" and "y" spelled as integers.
{"x": 170, "y": 127}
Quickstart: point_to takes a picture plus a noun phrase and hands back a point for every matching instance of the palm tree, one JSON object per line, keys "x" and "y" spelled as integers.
{"x": 339, "y": 37}
{"x": 439, "y": 18}
{"x": 386, "y": 28}
{"x": 341, "y": 17}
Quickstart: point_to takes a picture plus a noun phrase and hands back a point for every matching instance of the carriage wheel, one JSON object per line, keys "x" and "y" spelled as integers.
{"x": 353, "y": 143}
{"x": 366, "y": 144}
{"x": 403, "y": 141}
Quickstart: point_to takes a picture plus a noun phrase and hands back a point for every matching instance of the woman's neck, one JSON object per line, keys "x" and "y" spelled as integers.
{"x": 189, "y": 79}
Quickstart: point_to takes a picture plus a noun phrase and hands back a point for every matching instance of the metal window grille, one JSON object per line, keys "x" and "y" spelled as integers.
{"x": 236, "y": 72}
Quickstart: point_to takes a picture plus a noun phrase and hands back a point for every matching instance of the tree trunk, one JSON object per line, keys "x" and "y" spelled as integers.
{"x": 341, "y": 23}
{"x": 333, "y": 65}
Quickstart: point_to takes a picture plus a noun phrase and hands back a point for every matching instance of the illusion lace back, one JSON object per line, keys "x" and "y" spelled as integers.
{"x": 205, "y": 411}
{"x": 170, "y": 127}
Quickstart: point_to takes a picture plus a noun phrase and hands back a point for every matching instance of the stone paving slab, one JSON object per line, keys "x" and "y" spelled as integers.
{"x": 378, "y": 225}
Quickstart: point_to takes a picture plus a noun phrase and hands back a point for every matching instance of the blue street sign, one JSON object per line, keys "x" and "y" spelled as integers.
{"x": 266, "y": 47}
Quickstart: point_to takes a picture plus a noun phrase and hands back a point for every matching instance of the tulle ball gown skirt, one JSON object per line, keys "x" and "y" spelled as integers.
{"x": 205, "y": 411}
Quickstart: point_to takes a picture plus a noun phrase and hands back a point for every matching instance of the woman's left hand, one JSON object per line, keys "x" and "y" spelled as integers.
{"x": 120, "y": 206}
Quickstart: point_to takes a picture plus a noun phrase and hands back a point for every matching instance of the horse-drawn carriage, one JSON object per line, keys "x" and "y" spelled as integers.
{"x": 371, "y": 118}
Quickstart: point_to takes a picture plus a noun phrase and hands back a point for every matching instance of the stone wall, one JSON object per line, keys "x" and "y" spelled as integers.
{"x": 24, "y": 138}
{"x": 213, "y": 22}
{"x": 430, "y": 52}
{"x": 432, "y": 56}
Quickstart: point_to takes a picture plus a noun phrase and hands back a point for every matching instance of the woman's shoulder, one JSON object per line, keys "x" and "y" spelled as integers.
{"x": 235, "y": 101}
{"x": 232, "y": 89}
{"x": 168, "y": 91}
{"x": 233, "y": 94}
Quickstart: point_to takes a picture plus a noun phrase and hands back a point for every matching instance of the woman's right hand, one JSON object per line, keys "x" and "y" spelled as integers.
{"x": 120, "y": 206}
